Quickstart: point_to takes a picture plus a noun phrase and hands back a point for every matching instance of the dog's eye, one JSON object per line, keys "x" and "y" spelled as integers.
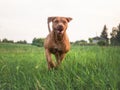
{"x": 64, "y": 22}
{"x": 56, "y": 21}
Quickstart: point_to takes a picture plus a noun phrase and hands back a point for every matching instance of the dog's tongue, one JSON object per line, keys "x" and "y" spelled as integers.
{"x": 59, "y": 31}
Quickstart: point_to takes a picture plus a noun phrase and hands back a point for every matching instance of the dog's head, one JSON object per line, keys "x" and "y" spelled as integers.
{"x": 59, "y": 24}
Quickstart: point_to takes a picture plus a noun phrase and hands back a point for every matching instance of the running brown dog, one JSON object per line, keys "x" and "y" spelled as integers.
{"x": 57, "y": 41}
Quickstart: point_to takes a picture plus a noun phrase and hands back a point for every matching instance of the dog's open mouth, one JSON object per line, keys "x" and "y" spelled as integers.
{"x": 59, "y": 31}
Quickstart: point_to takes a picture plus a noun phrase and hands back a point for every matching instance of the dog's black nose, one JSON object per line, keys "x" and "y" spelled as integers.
{"x": 60, "y": 28}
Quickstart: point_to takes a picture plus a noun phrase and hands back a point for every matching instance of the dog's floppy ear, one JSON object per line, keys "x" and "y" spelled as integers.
{"x": 68, "y": 19}
{"x": 50, "y": 19}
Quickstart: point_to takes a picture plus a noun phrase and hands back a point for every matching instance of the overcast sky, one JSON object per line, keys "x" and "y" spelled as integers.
{"x": 26, "y": 19}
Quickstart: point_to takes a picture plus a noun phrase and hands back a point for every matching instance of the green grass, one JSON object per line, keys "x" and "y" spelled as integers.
{"x": 23, "y": 67}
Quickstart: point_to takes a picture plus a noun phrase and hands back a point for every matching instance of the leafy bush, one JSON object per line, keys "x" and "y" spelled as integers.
{"x": 102, "y": 43}
{"x": 38, "y": 42}
{"x": 7, "y": 41}
{"x": 22, "y": 42}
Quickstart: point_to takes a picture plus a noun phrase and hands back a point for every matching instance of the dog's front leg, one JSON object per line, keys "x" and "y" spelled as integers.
{"x": 51, "y": 64}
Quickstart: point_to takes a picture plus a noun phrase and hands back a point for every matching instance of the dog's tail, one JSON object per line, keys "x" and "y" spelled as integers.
{"x": 49, "y": 27}
{"x": 48, "y": 22}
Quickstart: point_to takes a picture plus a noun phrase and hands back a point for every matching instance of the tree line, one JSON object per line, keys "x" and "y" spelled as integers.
{"x": 115, "y": 35}
{"x": 5, "y": 40}
{"x": 114, "y": 40}
{"x": 36, "y": 41}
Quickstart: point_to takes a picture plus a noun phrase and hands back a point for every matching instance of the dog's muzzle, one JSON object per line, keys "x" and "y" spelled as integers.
{"x": 60, "y": 29}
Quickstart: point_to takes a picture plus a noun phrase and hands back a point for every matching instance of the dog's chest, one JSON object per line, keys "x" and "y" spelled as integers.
{"x": 55, "y": 50}
{"x": 58, "y": 48}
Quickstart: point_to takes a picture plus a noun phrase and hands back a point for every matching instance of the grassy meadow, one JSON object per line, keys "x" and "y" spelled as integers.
{"x": 24, "y": 67}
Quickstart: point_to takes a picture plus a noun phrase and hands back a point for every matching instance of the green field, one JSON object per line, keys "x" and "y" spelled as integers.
{"x": 23, "y": 67}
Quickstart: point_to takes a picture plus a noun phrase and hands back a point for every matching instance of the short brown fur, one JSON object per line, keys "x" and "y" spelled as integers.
{"x": 57, "y": 41}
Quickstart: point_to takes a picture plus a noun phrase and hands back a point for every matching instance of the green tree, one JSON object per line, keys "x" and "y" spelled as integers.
{"x": 118, "y": 34}
{"x": 104, "y": 33}
{"x": 4, "y": 40}
{"x": 7, "y": 41}
{"x": 115, "y": 36}
{"x": 90, "y": 40}
{"x": 38, "y": 42}
{"x": 22, "y": 42}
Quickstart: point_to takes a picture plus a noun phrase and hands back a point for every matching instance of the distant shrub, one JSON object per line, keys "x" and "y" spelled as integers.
{"x": 22, "y": 42}
{"x": 38, "y": 42}
{"x": 81, "y": 42}
{"x": 7, "y": 41}
{"x": 102, "y": 43}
